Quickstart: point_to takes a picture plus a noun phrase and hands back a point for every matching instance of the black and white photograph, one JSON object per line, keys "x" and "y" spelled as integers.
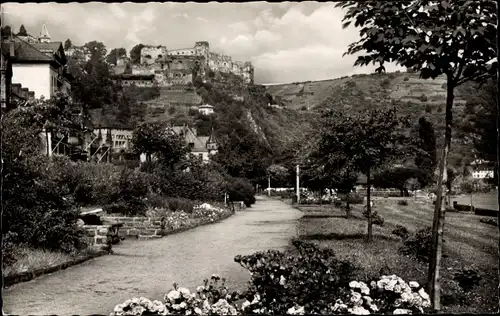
{"x": 250, "y": 158}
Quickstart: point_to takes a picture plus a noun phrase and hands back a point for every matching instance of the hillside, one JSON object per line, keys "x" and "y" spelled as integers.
{"x": 413, "y": 96}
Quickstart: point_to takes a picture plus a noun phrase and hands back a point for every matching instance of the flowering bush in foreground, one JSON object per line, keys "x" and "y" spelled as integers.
{"x": 311, "y": 281}
{"x": 212, "y": 298}
{"x": 390, "y": 294}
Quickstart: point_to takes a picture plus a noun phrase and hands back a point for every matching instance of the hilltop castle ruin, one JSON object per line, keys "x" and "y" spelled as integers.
{"x": 177, "y": 66}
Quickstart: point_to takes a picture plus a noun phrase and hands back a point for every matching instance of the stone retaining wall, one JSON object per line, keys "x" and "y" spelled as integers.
{"x": 150, "y": 227}
{"x": 100, "y": 236}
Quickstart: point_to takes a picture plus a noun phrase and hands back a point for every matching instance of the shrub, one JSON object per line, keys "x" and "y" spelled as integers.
{"x": 376, "y": 218}
{"x": 9, "y": 241}
{"x": 428, "y": 108}
{"x": 489, "y": 221}
{"x": 353, "y": 198}
{"x": 406, "y": 79}
{"x": 171, "y": 110}
{"x": 312, "y": 278}
{"x": 419, "y": 245}
{"x": 337, "y": 203}
{"x": 423, "y": 98}
{"x": 467, "y": 279}
{"x": 401, "y": 232}
{"x": 403, "y": 202}
{"x": 240, "y": 189}
{"x": 180, "y": 204}
{"x": 193, "y": 112}
{"x": 385, "y": 82}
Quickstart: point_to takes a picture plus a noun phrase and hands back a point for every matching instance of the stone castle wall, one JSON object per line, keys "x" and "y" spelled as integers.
{"x": 150, "y": 54}
{"x": 176, "y": 65}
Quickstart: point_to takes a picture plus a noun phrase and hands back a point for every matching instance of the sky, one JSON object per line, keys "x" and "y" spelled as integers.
{"x": 286, "y": 42}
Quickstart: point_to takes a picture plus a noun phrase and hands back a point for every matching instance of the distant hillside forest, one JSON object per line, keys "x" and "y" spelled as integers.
{"x": 412, "y": 96}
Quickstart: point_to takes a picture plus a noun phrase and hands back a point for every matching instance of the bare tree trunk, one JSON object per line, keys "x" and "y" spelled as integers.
{"x": 369, "y": 207}
{"x": 434, "y": 288}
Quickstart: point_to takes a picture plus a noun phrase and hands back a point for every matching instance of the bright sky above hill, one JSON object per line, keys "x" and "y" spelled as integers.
{"x": 286, "y": 42}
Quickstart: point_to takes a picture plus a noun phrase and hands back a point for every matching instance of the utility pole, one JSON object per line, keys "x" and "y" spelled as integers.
{"x": 298, "y": 184}
{"x": 268, "y": 185}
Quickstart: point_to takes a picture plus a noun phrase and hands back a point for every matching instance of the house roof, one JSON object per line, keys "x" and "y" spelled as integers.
{"x": 206, "y": 106}
{"x": 25, "y": 52}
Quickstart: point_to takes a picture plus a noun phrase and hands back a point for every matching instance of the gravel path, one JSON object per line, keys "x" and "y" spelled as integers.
{"x": 148, "y": 268}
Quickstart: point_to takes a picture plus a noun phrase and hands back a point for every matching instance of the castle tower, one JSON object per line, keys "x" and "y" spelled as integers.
{"x": 44, "y": 35}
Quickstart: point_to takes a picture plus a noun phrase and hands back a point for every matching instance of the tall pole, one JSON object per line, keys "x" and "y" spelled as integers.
{"x": 268, "y": 185}
{"x": 298, "y": 184}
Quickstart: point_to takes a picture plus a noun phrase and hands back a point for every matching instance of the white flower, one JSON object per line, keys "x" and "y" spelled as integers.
{"x": 173, "y": 295}
{"x": 401, "y": 311}
{"x": 414, "y": 284}
{"x": 245, "y": 305}
{"x": 282, "y": 280}
{"x": 183, "y": 305}
{"x": 358, "y": 310}
{"x": 365, "y": 289}
{"x": 185, "y": 292}
{"x": 406, "y": 297}
{"x": 390, "y": 286}
{"x": 423, "y": 294}
{"x": 398, "y": 289}
{"x": 374, "y": 307}
{"x": 197, "y": 311}
{"x": 367, "y": 299}
{"x": 354, "y": 284}
{"x": 356, "y": 298}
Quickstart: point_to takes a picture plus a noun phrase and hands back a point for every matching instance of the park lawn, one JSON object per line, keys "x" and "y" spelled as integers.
{"x": 468, "y": 244}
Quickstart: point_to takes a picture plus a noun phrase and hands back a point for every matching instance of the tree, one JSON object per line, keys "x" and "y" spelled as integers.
{"x": 278, "y": 174}
{"x": 22, "y": 31}
{"x": 135, "y": 53}
{"x": 451, "y": 175}
{"x": 426, "y": 159}
{"x": 6, "y": 31}
{"x": 97, "y": 50}
{"x": 158, "y": 140}
{"x": 68, "y": 44}
{"x": 413, "y": 185}
{"x": 484, "y": 107}
{"x": 469, "y": 187}
{"x": 345, "y": 181}
{"x": 395, "y": 177}
{"x": 94, "y": 87}
{"x": 114, "y": 54}
{"x": 451, "y": 38}
{"x": 363, "y": 142}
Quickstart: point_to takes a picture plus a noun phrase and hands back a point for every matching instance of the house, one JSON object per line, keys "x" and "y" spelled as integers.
{"x": 206, "y": 109}
{"x": 120, "y": 141}
{"x": 40, "y": 66}
{"x": 11, "y": 94}
{"x": 482, "y": 169}
{"x": 202, "y": 147}
{"x": 137, "y": 80}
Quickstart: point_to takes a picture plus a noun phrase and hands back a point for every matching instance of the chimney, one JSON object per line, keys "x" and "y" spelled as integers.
{"x": 25, "y": 93}
{"x": 31, "y": 95}
{"x": 16, "y": 88}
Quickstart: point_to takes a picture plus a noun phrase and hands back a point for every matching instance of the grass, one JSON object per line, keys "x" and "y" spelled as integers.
{"x": 29, "y": 259}
{"x": 468, "y": 243}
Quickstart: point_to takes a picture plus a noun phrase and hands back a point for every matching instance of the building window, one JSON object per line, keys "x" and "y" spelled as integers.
{"x": 191, "y": 145}
{"x": 200, "y": 156}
